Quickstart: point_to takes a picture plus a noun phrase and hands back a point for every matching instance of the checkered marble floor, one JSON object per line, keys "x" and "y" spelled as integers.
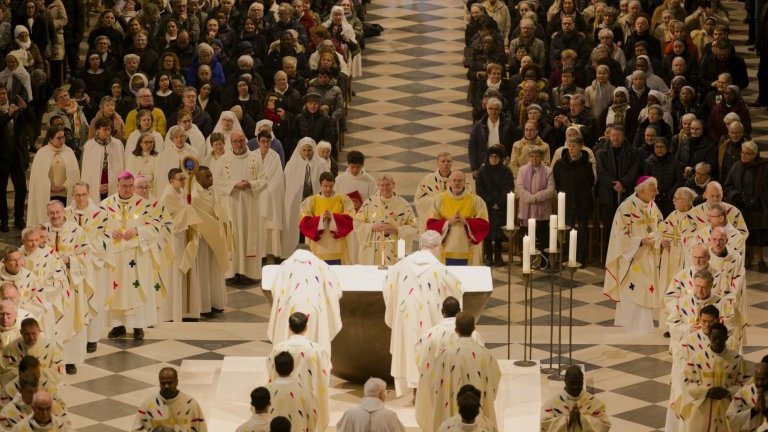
{"x": 410, "y": 105}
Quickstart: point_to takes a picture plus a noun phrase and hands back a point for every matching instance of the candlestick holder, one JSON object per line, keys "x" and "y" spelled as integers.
{"x": 553, "y": 255}
{"x": 571, "y": 267}
{"x": 509, "y": 231}
{"x": 527, "y": 325}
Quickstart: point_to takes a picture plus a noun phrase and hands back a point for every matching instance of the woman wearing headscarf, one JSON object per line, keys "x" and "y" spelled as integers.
{"x": 342, "y": 31}
{"x": 95, "y": 77}
{"x": 730, "y": 103}
{"x": 163, "y": 96}
{"x": 652, "y": 81}
{"x": 16, "y": 79}
{"x": 494, "y": 181}
{"x": 244, "y": 97}
{"x": 227, "y": 124}
{"x": 302, "y": 179}
{"x": 655, "y": 120}
{"x": 620, "y": 113}
{"x": 745, "y": 187}
{"x": 206, "y": 100}
{"x": 656, "y": 97}
{"x": 684, "y": 103}
{"x": 27, "y": 52}
{"x": 600, "y": 94}
{"x": 276, "y": 145}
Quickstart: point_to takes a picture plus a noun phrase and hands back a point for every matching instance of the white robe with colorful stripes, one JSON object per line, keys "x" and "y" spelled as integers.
{"x": 555, "y": 413}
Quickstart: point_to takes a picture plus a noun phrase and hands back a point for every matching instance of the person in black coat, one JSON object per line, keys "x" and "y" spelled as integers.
{"x": 663, "y": 166}
{"x": 618, "y": 167}
{"x": 14, "y": 156}
{"x": 313, "y": 123}
{"x": 480, "y": 136}
{"x": 494, "y": 181}
{"x": 724, "y": 59}
{"x": 573, "y": 175}
{"x": 697, "y": 148}
{"x": 641, "y": 33}
{"x": 73, "y": 32}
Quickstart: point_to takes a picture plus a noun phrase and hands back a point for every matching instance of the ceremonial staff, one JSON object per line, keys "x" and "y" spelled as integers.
{"x": 190, "y": 165}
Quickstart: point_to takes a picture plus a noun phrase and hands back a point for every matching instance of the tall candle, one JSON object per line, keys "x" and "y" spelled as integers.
{"x": 572, "y": 248}
{"x": 553, "y": 233}
{"x": 526, "y": 254}
{"x": 510, "y": 209}
{"x": 532, "y": 233}
{"x": 400, "y": 249}
{"x": 561, "y": 210}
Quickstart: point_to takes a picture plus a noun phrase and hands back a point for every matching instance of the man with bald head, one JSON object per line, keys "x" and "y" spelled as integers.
{"x": 432, "y": 185}
{"x": 461, "y": 218}
{"x": 574, "y": 408}
{"x": 243, "y": 181}
{"x": 682, "y": 284}
{"x": 747, "y": 411}
{"x": 717, "y": 217}
{"x": 733, "y": 285}
{"x": 713, "y": 193}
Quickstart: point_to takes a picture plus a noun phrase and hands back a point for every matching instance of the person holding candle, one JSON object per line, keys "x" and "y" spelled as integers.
{"x": 631, "y": 267}
{"x": 535, "y": 186}
{"x": 383, "y": 219}
{"x": 494, "y": 181}
{"x": 461, "y": 217}
{"x": 571, "y": 173}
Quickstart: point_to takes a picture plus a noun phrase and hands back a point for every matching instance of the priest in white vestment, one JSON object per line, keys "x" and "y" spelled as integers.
{"x": 50, "y": 278}
{"x": 291, "y": 398}
{"x": 469, "y": 417}
{"x": 171, "y": 408}
{"x": 271, "y": 200}
{"x": 414, "y": 291}
{"x": 358, "y": 185}
{"x": 70, "y": 242}
{"x": 312, "y": 365}
{"x": 302, "y": 180}
{"x": 103, "y": 161}
{"x": 737, "y": 242}
{"x": 747, "y": 411}
{"x": 29, "y": 297}
{"x": 242, "y": 178}
{"x": 306, "y": 284}
{"x": 91, "y": 218}
{"x": 216, "y": 242}
{"x": 371, "y": 415}
{"x": 712, "y": 378}
{"x": 34, "y": 344}
{"x": 10, "y": 326}
{"x": 464, "y": 362}
{"x": 54, "y": 170}
{"x": 172, "y": 157}
{"x": 678, "y": 231}
{"x": 574, "y": 409}
{"x": 260, "y": 418}
{"x": 631, "y": 267}
{"x": 733, "y": 286}
{"x": 182, "y": 283}
{"x": 381, "y": 222}
{"x": 134, "y": 226}
{"x": 432, "y": 185}
{"x": 713, "y": 194}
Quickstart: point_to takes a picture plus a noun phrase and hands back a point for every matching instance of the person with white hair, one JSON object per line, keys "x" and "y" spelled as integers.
{"x": 678, "y": 232}
{"x": 414, "y": 291}
{"x": 10, "y": 325}
{"x": 371, "y": 415}
{"x": 382, "y": 221}
{"x": 631, "y": 265}
{"x": 174, "y": 153}
{"x": 713, "y": 194}
{"x": 717, "y": 217}
{"x": 21, "y": 279}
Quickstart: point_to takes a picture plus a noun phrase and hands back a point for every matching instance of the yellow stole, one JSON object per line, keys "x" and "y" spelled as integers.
{"x": 334, "y": 204}
{"x": 465, "y": 205}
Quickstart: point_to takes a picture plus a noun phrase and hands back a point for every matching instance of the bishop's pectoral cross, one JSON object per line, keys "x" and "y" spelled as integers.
{"x": 674, "y": 237}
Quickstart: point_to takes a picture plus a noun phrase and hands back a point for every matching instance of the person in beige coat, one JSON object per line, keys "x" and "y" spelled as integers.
{"x": 58, "y": 16}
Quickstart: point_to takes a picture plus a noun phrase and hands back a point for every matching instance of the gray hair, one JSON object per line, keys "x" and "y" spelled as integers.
{"x": 385, "y": 176}
{"x": 704, "y": 166}
{"x": 644, "y": 185}
{"x": 731, "y": 117}
{"x": 605, "y": 32}
{"x": 750, "y": 145}
{"x": 373, "y": 387}
{"x": 686, "y": 193}
{"x": 493, "y": 102}
{"x": 688, "y": 117}
{"x": 430, "y": 239}
{"x": 736, "y": 124}
{"x": 83, "y": 184}
{"x": 537, "y": 151}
